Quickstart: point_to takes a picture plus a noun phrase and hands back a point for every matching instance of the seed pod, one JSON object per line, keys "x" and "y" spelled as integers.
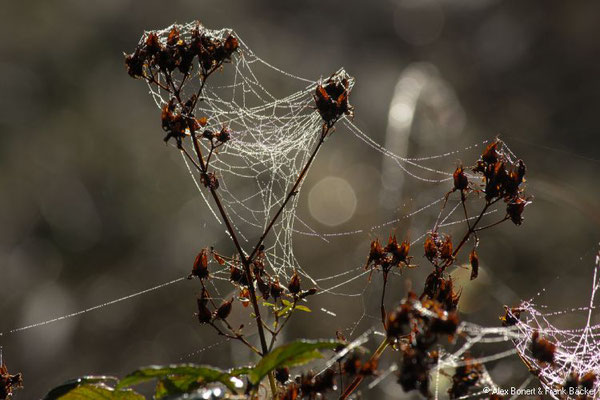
{"x": 446, "y": 250}
{"x": 235, "y": 274}
{"x": 474, "y": 260}
{"x": 224, "y": 310}
{"x": 446, "y": 325}
{"x": 204, "y": 296}
{"x": 541, "y": 349}
{"x": 460, "y": 179}
{"x": 375, "y": 254}
{"x": 282, "y": 375}
{"x": 204, "y": 315}
{"x": 294, "y": 285}
{"x": 264, "y": 288}
{"x": 521, "y": 169}
{"x": 224, "y": 135}
{"x": 515, "y": 208}
{"x": 276, "y": 289}
{"x": 397, "y": 320}
{"x": 490, "y": 154}
{"x": 572, "y": 382}
{"x": 587, "y": 381}
{"x": 511, "y": 316}
{"x": 369, "y": 368}
{"x": 218, "y": 259}
{"x": 135, "y": 64}
{"x": 309, "y": 292}
{"x": 430, "y": 248}
{"x": 200, "y": 268}
{"x": 153, "y": 45}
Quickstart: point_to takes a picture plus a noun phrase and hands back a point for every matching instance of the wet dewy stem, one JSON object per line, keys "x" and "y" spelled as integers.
{"x": 245, "y": 263}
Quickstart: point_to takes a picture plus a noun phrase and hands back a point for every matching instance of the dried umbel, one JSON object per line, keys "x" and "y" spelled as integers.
{"x": 421, "y": 322}
{"x": 414, "y": 370}
{"x": 393, "y": 255}
{"x": 9, "y": 382}
{"x": 465, "y": 377}
{"x": 154, "y": 54}
{"x": 332, "y": 97}
{"x": 312, "y": 385}
{"x": 171, "y": 62}
{"x": 503, "y": 179}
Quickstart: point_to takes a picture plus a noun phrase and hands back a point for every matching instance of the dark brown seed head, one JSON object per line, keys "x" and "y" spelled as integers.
{"x": 490, "y": 155}
{"x": 515, "y": 208}
{"x": 542, "y": 349}
{"x": 474, "y": 260}
{"x": 446, "y": 250}
{"x": 294, "y": 285}
{"x": 224, "y": 309}
{"x": 511, "y": 316}
{"x": 200, "y": 268}
{"x": 331, "y": 98}
{"x": 460, "y": 179}
{"x": 204, "y": 314}
{"x": 430, "y": 248}
{"x": 587, "y": 381}
{"x": 276, "y": 289}
{"x": 282, "y": 375}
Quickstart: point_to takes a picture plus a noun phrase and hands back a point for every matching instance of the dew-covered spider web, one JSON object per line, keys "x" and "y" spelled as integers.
{"x": 272, "y": 135}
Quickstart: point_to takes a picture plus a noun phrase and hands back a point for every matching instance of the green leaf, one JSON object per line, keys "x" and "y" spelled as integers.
{"x": 284, "y": 311}
{"x": 267, "y": 304}
{"x": 303, "y": 308}
{"x": 285, "y": 302}
{"x": 291, "y": 354}
{"x": 176, "y": 385}
{"x": 202, "y": 374}
{"x": 100, "y": 392}
{"x": 68, "y": 386}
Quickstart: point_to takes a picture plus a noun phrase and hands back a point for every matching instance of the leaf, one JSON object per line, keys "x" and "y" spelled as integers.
{"x": 284, "y": 311}
{"x": 202, "y": 374}
{"x": 176, "y": 385}
{"x": 285, "y": 302}
{"x": 69, "y": 385}
{"x": 291, "y": 354}
{"x": 302, "y": 308}
{"x": 100, "y": 392}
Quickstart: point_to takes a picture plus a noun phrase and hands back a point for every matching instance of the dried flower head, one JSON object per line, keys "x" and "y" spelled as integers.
{"x": 465, "y": 377}
{"x": 331, "y": 97}
{"x": 461, "y": 182}
{"x": 200, "y": 268}
{"x": 474, "y": 261}
{"x": 224, "y": 309}
{"x": 8, "y": 382}
{"x": 294, "y": 284}
{"x": 511, "y": 316}
{"x": 542, "y": 349}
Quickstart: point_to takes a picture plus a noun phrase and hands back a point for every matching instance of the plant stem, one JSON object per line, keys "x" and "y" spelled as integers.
{"x": 245, "y": 263}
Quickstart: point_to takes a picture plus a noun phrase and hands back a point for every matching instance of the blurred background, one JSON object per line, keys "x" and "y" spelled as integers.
{"x": 94, "y": 206}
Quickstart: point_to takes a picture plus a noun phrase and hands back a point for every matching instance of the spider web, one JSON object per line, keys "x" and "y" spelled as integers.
{"x": 272, "y": 137}
{"x": 577, "y": 349}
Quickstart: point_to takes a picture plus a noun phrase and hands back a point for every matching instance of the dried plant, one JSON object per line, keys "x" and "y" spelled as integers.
{"x": 179, "y": 67}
